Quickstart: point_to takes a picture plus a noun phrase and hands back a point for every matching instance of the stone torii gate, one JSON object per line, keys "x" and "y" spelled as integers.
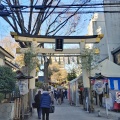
{"x": 82, "y": 40}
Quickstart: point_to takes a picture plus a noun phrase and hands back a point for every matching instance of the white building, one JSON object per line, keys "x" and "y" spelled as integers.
{"x": 109, "y": 25}
{"x": 112, "y": 23}
{"x": 97, "y": 26}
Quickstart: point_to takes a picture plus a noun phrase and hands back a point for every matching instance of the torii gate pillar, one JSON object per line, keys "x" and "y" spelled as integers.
{"x": 86, "y": 81}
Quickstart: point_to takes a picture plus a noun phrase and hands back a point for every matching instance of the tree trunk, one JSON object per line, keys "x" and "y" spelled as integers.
{"x": 46, "y": 72}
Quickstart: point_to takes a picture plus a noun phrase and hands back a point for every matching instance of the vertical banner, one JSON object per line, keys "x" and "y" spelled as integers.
{"x": 23, "y": 87}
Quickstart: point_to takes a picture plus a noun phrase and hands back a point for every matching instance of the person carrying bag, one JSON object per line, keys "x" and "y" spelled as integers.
{"x": 37, "y": 100}
{"x": 52, "y": 109}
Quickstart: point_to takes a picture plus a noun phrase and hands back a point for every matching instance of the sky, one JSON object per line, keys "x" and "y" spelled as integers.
{"x": 5, "y": 28}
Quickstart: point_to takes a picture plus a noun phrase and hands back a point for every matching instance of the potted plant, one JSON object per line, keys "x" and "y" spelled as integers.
{"x": 7, "y": 85}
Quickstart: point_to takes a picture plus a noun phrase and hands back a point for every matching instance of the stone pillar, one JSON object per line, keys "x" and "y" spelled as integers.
{"x": 86, "y": 81}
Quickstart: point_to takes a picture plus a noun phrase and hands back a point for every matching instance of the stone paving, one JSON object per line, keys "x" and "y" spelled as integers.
{"x": 67, "y": 112}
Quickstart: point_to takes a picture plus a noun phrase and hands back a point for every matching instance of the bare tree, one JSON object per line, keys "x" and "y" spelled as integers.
{"x": 50, "y": 19}
{"x": 21, "y": 17}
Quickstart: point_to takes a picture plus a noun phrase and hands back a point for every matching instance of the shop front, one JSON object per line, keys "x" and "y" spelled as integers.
{"x": 112, "y": 73}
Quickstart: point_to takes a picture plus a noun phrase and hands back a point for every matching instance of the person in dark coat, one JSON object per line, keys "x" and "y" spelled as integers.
{"x": 65, "y": 93}
{"x": 37, "y": 101}
{"x": 45, "y": 105}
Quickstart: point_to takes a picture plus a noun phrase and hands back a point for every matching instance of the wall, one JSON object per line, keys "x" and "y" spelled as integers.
{"x": 112, "y": 23}
{"x": 2, "y": 57}
{"x": 97, "y": 26}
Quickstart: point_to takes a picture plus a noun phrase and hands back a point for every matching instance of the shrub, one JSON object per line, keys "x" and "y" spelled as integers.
{"x": 7, "y": 79}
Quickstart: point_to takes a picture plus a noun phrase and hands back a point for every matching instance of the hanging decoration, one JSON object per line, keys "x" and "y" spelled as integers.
{"x": 68, "y": 60}
{"x": 55, "y": 59}
{"x": 41, "y": 61}
{"x": 63, "y": 59}
{"x": 78, "y": 62}
{"x": 73, "y": 59}
{"x": 59, "y": 62}
{"x": 50, "y": 59}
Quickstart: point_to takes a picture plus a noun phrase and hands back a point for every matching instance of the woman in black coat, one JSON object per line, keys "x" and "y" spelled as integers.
{"x": 37, "y": 101}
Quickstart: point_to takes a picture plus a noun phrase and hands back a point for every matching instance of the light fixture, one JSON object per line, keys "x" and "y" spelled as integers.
{"x": 4, "y": 13}
{"x": 1, "y": 7}
{"x": 39, "y": 7}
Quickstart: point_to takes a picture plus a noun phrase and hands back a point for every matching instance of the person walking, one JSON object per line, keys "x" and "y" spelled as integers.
{"x": 55, "y": 94}
{"x": 66, "y": 93}
{"x": 59, "y": 95}
{"x": 45, "y": 105}
{"x": 37, "y": 101}
{"x": 52, "y": 97}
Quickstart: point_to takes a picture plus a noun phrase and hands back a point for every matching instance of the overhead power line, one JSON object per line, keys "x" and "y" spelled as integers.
{"x": 70, "y": 12}
{"x": 61, "y": 6}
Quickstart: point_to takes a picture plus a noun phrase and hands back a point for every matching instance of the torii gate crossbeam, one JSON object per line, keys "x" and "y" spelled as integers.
{"x": 51, "y": 39}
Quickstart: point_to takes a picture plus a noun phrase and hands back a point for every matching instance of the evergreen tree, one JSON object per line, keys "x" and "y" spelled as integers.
{"x": 72, "y": 75}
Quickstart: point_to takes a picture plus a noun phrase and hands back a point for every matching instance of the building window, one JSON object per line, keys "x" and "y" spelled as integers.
{"x": 117, "y": 57}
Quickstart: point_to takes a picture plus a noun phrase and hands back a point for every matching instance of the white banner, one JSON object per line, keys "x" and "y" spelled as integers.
{"x": 98, "y": 86}
{"x": 23, "y": 87}
{"x": 118, "y": 97}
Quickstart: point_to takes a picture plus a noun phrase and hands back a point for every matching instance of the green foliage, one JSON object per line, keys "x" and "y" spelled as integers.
{"x": 89, "y": 59}
{"x": 7, "y": 79}
{"x": 1, "y": 97}
{"x": 39, "y": 84}
{"x": 30, "y": 60}
{"x": 72, "y": 75}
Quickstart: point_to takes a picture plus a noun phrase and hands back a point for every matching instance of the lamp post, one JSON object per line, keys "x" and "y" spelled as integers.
{"x": 23, "y": 86}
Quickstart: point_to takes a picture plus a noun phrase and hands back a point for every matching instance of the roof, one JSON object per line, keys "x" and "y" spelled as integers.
{"x": 76, "y": 79}
{"x": 11, "y": 64}
{"x": 107, "y": 68}
{"x": 7, "y": 54}
{"x": 116, "y": 50}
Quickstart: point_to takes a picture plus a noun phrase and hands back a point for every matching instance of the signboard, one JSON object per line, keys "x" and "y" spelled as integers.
{"x": 59, "y": 44}
{"x": 41, "y": 78}
{"x": 118, "y": 97}
{"x": 98, "y": 86}
{"x": 23, "y": 87}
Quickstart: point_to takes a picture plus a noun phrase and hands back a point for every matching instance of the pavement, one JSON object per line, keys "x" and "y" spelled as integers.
{"x": 68, "y": 112}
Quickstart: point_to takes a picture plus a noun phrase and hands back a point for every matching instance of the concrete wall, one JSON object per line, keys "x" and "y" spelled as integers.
{"x": 97, "y": 26}
{"x": 109, "y": 25}
{"x": 112, "y": 23}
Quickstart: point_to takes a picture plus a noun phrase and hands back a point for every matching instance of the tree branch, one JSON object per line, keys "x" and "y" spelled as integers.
{"x": 8, "y": 21}
{"x": 65, "y": 21}
{"x": 56, "y": 19}
{"x": 46, "y": 16}
{"x": 30, "y": 17}
{"x": 39, "y": 21}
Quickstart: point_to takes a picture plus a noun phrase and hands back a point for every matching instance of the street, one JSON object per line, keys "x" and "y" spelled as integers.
{"x": 67, "y": 112}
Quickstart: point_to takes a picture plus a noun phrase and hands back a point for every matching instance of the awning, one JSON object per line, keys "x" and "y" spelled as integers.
{"x": 107, "y": 68}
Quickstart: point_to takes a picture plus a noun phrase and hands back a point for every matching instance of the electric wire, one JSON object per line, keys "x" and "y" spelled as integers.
{"x": 61, "y": 6}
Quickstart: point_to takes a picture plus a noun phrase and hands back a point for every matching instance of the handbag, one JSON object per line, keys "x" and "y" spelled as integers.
{"x": 34, "y": 105}
{"x": 52, "y": 109}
